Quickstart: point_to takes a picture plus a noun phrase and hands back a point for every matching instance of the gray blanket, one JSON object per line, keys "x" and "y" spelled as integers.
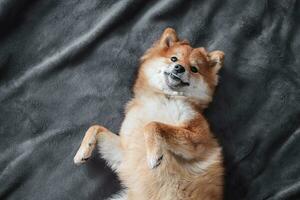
{"x": 65, "y": 65}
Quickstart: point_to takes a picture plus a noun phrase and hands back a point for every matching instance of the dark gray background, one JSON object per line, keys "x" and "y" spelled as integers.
{"x": 65, "y": 65}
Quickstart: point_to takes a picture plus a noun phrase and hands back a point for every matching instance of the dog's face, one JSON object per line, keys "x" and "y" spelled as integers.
{"x": 173, "y": 67}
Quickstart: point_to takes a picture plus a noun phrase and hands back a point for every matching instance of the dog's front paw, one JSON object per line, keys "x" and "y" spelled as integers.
{"x": 154, "y": 156}
{"x": 84, "y": 153}
{"x": 153, "y": 145}
{"x": 88, "y": 144}
{"x": 154, "y": 160}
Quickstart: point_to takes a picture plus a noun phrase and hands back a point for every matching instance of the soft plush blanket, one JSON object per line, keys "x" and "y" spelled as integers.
{"x": 65, "y": 65}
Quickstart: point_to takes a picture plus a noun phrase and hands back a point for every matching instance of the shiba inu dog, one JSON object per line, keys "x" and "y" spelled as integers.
{"x": 165, "y": 149}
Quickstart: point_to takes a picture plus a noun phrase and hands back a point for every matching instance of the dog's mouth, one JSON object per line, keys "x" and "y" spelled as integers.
{"x": 174, "y": 81}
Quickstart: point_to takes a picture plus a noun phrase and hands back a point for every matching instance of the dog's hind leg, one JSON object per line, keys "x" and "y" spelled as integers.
{"x": 109, "y": 145}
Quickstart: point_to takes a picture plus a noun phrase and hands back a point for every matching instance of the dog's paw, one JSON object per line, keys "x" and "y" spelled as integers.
{"x": 88, "y": 143}
{"x": 154, "y": 160}
{"x": 83, "y": 154}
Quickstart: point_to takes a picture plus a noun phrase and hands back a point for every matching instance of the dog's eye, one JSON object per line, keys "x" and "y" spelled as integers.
{"x": 194, "y": 69}
{"x": 174, "y": 59}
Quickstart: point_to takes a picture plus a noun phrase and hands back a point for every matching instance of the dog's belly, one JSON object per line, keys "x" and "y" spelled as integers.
{"x": 164, "y": 182}
{"x": 168, "y": 181}
{"x": 134, "y": 171}
{"x": 142, "y": 182}
{"x": 132, "y": 131}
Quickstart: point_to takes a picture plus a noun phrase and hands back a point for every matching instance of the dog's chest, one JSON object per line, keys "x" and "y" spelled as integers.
{"x": 169, "y": 111}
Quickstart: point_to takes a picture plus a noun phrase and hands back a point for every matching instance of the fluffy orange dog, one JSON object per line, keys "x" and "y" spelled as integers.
{"x": 165, "y": 150}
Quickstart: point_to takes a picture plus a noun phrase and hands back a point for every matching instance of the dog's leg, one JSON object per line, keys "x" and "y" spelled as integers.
{"x": 108, "y": 142}
{"x": 185, "y": 143}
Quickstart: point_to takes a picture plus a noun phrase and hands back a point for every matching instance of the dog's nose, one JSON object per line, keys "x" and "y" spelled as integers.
{"x": 179, "y": 69}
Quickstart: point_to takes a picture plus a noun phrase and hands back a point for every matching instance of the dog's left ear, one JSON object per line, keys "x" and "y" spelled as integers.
{"x": 216, "y": 60}
{"x": 168, "y": 38}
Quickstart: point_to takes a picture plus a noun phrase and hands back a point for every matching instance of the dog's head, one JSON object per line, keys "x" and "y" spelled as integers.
{"x": 174, "y": 68}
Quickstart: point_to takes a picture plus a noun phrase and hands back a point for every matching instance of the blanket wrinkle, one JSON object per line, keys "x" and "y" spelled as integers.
{"x": 290, "y": 191}
{"x": 27, "y": 146}
{"x": 73, "y": 49}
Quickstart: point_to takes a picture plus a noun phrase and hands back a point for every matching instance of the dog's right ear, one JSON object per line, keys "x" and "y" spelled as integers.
{"x": 216, "y": 60}
{"x": 168, "y": 38}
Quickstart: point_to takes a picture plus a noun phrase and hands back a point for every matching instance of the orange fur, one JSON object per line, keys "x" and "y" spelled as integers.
{"x": 166, "y": 149}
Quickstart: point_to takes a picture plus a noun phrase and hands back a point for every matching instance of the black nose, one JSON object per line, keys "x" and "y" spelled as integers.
{"x": 179, "y": 69}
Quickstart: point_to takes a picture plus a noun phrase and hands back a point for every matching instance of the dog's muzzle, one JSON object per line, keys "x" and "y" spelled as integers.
{"x": 174, "y": 80}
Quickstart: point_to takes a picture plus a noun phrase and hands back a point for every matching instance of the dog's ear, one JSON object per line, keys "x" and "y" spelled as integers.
{"x": 216, "y": 60}
{"x": 203, "y": 51}
{"x": 168, "y": 38}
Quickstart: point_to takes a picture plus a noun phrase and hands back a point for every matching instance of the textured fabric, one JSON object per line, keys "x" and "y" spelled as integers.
{"x": 65, "y": 65}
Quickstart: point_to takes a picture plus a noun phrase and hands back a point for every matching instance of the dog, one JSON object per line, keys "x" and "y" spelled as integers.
{"x": 165, "y": 149}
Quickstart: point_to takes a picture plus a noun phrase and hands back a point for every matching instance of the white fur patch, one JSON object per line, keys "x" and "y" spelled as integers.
{"x": 155, "y": 73}
{"x": 157, "y": 108}
{"x": 110, "y": 151}
{"x": 198, "y": 89}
